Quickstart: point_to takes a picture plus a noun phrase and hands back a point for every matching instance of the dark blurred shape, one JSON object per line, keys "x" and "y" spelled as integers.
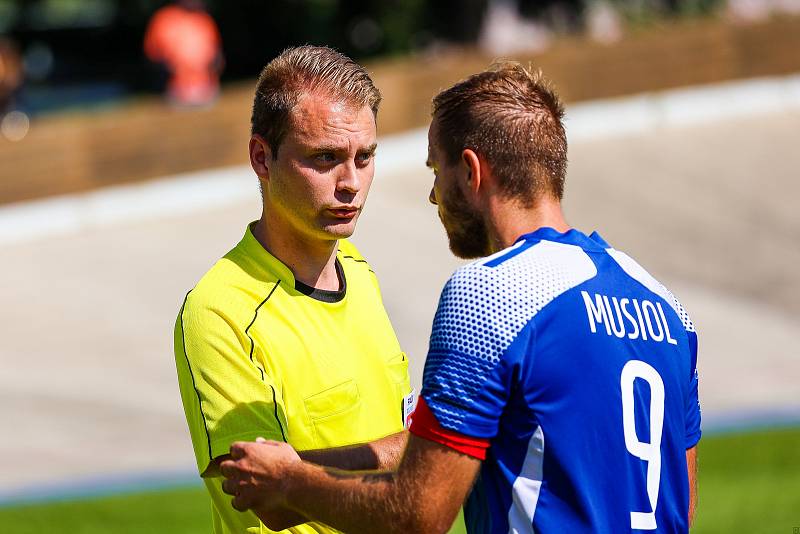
{"x": 38, "y": 61}
{"x": 457, "y": 21}
{"x": 184, "y": 38}
{"x": 365, "y": 34}
{"x": 9, "y": 14}
{"x": 14, "y": 123}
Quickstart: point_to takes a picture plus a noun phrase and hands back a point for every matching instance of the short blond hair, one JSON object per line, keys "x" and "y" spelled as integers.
{"x": 303, "y": 70}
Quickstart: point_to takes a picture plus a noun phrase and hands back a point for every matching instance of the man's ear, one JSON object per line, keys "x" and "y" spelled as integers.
{"x": 260, "y": 156}
{"x": 474, "y": 170}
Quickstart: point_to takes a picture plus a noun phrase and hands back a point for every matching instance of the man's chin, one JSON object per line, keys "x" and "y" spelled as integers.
{"x": 466, "y": 233}
{"x": 341, "y": 230}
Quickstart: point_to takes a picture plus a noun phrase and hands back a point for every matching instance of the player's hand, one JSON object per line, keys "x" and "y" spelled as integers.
{"x": 256, "y": 474}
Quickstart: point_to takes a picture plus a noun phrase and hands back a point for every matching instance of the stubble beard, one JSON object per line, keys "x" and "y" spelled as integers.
{"x": 466, "y": 230}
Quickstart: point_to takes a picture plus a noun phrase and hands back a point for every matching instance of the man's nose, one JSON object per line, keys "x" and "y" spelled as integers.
{"x": 349, "y": 180}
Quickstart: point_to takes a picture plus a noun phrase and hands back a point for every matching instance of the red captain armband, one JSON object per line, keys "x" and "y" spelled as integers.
{"x": 425, "y": 425}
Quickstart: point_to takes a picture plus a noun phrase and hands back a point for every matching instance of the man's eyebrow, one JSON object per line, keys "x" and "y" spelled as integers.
{"x": 328, "y": 148}
{"x": 336, "y": 148}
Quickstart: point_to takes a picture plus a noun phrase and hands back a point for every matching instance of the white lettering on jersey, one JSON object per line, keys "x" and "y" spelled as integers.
{"x": 615, "y": 315}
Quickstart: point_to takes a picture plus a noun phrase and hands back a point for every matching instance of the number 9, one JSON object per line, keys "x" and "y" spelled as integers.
{"x": 649, "y": 452}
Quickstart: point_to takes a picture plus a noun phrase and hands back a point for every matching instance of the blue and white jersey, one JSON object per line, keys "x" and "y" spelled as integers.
{"x": 578, "y": 368}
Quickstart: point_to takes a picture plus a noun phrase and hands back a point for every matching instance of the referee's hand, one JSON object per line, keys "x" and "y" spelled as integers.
{"x": 255, "y": 473}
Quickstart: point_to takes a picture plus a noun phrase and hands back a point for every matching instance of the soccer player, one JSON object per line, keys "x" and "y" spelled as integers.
{"x": 560, "y": 384}
{"x": 286, "y": 337}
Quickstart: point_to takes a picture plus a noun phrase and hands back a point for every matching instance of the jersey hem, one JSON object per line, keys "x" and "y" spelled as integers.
{"x": 693, "y": 440}
{"x": 480, "y": 429}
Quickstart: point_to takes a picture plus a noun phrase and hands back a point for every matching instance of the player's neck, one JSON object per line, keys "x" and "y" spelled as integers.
{"x": 507, "y": 220}
{"x": 312, "y": 262}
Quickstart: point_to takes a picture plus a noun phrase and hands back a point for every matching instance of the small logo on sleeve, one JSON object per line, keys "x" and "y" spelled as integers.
{"x": 409, "y": 405}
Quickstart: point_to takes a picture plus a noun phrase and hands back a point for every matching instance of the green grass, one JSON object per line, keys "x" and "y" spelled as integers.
{"x": 178, "y": 511}
{"x": 748, "y": 483}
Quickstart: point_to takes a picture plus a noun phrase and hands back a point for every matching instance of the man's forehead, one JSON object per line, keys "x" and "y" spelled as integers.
{"x": 318, "y": 105}
{"x": 322, "y": 115}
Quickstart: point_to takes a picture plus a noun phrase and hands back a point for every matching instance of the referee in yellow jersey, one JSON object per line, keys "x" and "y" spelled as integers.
{"x": 286, "y": 337}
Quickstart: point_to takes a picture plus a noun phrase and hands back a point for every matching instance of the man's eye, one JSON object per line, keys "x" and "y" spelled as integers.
{"x": 325, "y": 157}
{"x": 364, "y": 158}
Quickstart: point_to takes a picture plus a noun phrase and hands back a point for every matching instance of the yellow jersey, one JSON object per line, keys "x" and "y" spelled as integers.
{"x": 259, "y": 354}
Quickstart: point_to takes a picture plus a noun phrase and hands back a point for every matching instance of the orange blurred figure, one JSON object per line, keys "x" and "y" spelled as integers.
{"x": 10, "y": 74}
{"x": 185, "y": 39}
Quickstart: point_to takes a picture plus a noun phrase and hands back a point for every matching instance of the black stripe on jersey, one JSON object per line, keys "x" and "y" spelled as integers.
{"x": 247, "y": 330}
{"x": 359, "y": 261}
{"x": 275, "y": 405}
{"x": 252, "y": 347}
{"x": 199, "y": 400}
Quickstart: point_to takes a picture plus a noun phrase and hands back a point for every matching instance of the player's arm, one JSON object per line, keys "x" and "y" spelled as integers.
{"x": 380, "y": 455}
{"x": 691, "y": 465}
{"x": 423, "y": 495}
{"x": 693, "y": 419}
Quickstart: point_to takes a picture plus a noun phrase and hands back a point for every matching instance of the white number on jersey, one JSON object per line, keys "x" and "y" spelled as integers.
{"x": 649, "y": 452}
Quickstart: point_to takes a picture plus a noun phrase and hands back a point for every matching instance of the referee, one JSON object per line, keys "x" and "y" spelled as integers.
{"x": 285, "y": 337}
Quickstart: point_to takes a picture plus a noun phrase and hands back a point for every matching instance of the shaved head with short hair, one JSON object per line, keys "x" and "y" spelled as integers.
{"x": 510, "y": 116}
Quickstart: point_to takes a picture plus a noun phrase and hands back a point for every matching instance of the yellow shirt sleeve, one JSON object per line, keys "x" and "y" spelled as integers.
{"x": 226, "y": 395}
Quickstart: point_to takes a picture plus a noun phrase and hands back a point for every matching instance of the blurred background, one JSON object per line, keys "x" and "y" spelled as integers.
{"x": 124, "y": 177}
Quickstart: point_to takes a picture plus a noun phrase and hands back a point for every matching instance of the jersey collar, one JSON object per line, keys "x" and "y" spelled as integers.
{"x": 264, "y": 259}
{"x": 570, "y": 237}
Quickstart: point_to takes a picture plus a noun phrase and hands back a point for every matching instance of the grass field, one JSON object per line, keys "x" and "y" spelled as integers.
{"x": 748, "y": 483}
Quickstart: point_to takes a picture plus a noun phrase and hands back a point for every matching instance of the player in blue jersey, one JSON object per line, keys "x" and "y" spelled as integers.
{"x": 560, "y": 388}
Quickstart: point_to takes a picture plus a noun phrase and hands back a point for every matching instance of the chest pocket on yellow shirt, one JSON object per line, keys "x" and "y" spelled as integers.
{"x": 332, "y": 412}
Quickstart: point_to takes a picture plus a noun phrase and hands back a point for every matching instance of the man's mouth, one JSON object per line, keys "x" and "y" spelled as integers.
{"x": 344, "y": 213}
